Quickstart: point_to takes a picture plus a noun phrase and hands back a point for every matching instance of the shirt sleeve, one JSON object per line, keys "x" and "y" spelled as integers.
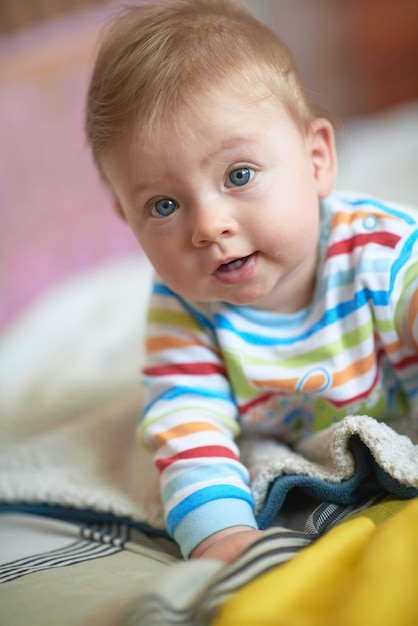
{"x": 190, "y": 421}
{"x": 407, "y": 293}
{"x": 413, "y": 313}
{"x": 404, "y": 299}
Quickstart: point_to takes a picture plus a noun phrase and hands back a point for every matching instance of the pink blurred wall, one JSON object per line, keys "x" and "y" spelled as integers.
{"x": 56, "y": 218}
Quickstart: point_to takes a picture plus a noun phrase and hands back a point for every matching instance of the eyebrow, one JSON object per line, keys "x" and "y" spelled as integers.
{"x": 142, "y": 188}
{"x": 230, "y": 144}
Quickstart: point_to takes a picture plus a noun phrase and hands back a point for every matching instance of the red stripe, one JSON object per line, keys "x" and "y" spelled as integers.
{"x": 409, "y": 360}
{"x": 337, "y": 403}
{"x": 197, "y": 453}
{"x": 190, "y": 369}
{"x": 347, "y": 245}
{"x": 244, "y": 408}
{"x": 361, "y": 396}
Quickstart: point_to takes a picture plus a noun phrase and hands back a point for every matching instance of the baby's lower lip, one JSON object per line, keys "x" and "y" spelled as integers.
{"x": 236, "y": 271}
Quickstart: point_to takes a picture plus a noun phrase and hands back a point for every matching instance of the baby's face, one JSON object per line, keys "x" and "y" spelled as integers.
{"x": 225, "y": 203}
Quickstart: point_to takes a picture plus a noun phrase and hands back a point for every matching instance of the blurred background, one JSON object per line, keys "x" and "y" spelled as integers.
{"x": 359, "y": 59}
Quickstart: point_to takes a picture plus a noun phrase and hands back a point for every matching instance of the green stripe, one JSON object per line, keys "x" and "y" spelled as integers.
{"x": 385, "y": 326}
{"x": 224, "y": 419}
{"x": 411, "y": 276}
{"x": 172, "y": 318}
{"x": 243, "y": 388}
{"x": 329, "y": 350}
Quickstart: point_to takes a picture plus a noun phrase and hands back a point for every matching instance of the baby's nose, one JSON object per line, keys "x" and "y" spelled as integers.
{"x": 211, "y": 224}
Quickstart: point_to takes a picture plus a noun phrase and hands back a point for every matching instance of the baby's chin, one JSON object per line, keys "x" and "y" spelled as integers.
{"x": 255, "y": 301}
{"x": 256, "y": 295}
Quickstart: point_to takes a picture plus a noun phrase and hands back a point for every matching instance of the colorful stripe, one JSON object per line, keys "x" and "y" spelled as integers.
{"x": 348, "y": 245}
{"x": 191, "y": 369}
{"x": 196, "y": 453}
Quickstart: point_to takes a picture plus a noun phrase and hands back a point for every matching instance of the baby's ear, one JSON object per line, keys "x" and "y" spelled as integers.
{"x": 321, "y": 146}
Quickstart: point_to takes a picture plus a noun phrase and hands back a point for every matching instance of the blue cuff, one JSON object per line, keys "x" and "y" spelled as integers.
{"x": 209, "y": 518}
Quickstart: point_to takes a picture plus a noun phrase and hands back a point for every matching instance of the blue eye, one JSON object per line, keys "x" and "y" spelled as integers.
{"x": 240, "y": 176}
{"x": 164, "y": 207}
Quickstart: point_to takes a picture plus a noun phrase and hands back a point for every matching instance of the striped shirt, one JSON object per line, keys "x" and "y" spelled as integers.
{"x": 214, "y": 369}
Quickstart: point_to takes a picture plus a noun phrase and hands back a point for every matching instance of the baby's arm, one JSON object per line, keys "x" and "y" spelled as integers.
{"x": 189, "y": 422}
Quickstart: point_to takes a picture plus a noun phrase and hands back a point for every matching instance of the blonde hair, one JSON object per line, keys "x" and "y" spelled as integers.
{"x": 156, "y": 58}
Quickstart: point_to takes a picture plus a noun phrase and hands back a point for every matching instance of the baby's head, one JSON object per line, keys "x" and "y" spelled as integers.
{"x": 157, "y": 60}
{"x": 213, "y": 151}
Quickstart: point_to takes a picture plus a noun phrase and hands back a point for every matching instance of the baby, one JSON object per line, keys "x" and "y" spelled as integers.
{"x": 278, "y": 307}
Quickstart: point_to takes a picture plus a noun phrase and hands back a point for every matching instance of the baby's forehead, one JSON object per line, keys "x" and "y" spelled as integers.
{"x": 227, "y": 100}
{"x": 223, "y": 134}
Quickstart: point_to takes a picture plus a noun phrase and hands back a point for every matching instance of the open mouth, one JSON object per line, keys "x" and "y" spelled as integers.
{"x": 237, "y": 270}
{"x": 233, "y": 265}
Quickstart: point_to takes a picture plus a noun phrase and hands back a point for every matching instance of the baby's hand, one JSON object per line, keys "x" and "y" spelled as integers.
{"x": 226, "y": 544}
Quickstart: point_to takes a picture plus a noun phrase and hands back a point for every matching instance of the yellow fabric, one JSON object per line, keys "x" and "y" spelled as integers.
{"x": 380, "y": 512}
{"x": 358, "y": 574}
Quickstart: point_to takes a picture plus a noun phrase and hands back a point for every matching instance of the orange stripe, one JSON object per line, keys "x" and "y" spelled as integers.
{"x": 354, "y": 370}
{"x": 316, "y": 381}
{"x": 348, "y": 218}
{"x": 165, "y": 342}
{"x": 286, "y": 384}
{"x": 182, "y": 430}
{"x": 393, "y": 347}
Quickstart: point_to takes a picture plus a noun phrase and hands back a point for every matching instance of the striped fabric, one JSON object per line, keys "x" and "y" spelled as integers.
{"x": 91, "y": 542}
{"x": 206, "y": 585}
{"x": 214, "y": 368}
{"x": 75, "y": 552}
